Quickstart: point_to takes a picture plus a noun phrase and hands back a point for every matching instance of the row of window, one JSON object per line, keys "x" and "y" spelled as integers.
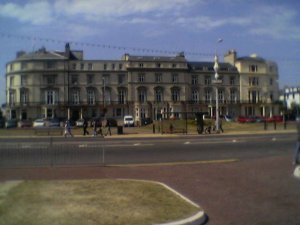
{"x": 254, "y": 81}
{"x": 141, "y": 78}
{"x": 120, "y": 66}
{"x": 51, "y": 96}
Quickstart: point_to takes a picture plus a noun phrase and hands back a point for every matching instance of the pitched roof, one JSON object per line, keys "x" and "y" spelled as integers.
{"x": 41, "y": 54}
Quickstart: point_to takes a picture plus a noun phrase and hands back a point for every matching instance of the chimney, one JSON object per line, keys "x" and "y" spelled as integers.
{"x": 67, "y": 50}
{"x": 20, "y": 53}
{"x": 230, "y": 57}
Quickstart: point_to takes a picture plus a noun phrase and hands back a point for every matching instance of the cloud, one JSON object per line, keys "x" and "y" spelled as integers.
{"x": 95, "y": 10}
{"x": 37, "y": 13}
{"x": 276, "y": 22}
{"x": 209, "y": 23}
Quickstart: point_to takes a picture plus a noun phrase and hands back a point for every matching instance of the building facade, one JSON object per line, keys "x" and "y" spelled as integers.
{"x": 291, "y": 97}
{"x": 47, "y": 84}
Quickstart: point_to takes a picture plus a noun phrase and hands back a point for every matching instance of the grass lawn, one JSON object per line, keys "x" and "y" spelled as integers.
{"x": 89, "y": 202}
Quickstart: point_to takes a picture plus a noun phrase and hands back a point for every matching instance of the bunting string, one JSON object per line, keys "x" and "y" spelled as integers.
{"x": 103, "y": 46}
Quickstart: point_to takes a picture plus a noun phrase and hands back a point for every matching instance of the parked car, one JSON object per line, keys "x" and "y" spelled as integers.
{"x": 11, "y": 123}
{"x": 128, "y": 121}
{"x": 246, "y": 119}
{"x": 53, "y": 122}
{"x": 260, "y": 119}
{"x": 39, "y": 122}
{"x": 79, "y": 122}
{"x": 242, "y": 119}
{"x": 25, "y": 123}
{"x": 228, "y": 118}
{"x": 146, "y": 121}
{"x": 277, "y": 119}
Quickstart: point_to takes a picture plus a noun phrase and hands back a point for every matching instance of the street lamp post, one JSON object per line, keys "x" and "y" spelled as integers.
{"x": 103, "y": 85}
{"x": 217, "y": 81}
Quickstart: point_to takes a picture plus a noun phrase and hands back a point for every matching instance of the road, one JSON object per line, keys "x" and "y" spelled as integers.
{"x": 87, "y": 150}
{"x": 256, "y": 189}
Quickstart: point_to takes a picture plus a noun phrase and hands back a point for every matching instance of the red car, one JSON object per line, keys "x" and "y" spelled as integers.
{"x": 246, "y": 119}
{"x": 242, "y": 119}
{"x": 277, "y": 119}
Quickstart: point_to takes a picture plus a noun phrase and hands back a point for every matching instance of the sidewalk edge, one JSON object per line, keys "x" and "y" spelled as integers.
{"x": 197, "y": 219}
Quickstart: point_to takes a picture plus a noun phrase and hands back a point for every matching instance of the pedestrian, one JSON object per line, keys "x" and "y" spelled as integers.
{"x": 68, "y": 129}
{"x": 297, "y": 150}
{"x": 94, "y": 128}
{"x": 220, "y": 125}
{"x": 85, "y": 125}
{"x": 108, "y": 127}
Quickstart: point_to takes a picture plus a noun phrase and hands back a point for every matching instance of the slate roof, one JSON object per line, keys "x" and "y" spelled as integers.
{"x": 251, "y": 59}
{"x": 43, "y": 54}
{"x": 155, "y": 58}
{"x": 210, "y": 66}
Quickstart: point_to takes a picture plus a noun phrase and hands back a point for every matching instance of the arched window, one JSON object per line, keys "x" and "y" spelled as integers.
{"x": 175, "y": 94}
{"x": 142, "y": 94}
{"x": 122, "y": 96}
{"x": 208, "y": 95}
{"x": 158, "y": 91}
{"x": 91, "y": 97}
{"x": 75, "y": 97}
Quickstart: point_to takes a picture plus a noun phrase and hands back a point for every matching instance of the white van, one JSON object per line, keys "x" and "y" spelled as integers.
{"x": 128, "y": 121}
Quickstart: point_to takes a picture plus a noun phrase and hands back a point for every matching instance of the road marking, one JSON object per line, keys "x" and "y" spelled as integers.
{"x": 187, "y": 143}
{"x": 26, "y": 146}
{"x": 83, "y": 146}
{"x": 274, "y": 139}
{"x": 234, "y": 141}
{"x": 127, "y": 145}
{"x": 176, "y": 163}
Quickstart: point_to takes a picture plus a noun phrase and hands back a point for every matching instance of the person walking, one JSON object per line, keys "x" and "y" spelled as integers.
{"x": 108, "y": 128}
{"x": 68, "y": 129}
{"x": 297, "y": 150}
{"x": 220, "y": 125}
{"x": 94, "y": 128}
{"x": 85, "y": 125}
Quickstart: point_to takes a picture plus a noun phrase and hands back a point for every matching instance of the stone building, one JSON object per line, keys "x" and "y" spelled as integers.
{"x": 65, "y": 85}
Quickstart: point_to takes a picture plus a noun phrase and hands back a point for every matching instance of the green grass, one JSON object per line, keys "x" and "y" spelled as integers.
{"x": 89, "y": 202}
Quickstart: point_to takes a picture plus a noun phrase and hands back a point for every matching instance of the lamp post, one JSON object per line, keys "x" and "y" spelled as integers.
{"x": 217, "y": 81}
{"x": 103, "y": 83}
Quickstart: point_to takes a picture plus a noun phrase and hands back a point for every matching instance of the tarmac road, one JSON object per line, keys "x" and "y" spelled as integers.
{"x": 20, "y": 152}
{"x": 257, "y": 189}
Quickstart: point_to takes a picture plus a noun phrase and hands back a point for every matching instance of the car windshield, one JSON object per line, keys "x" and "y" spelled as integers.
{"x": 128, "y": 119}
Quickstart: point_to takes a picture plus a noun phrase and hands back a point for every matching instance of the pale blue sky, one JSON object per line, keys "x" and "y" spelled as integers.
{"x": 268, "y": 28}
